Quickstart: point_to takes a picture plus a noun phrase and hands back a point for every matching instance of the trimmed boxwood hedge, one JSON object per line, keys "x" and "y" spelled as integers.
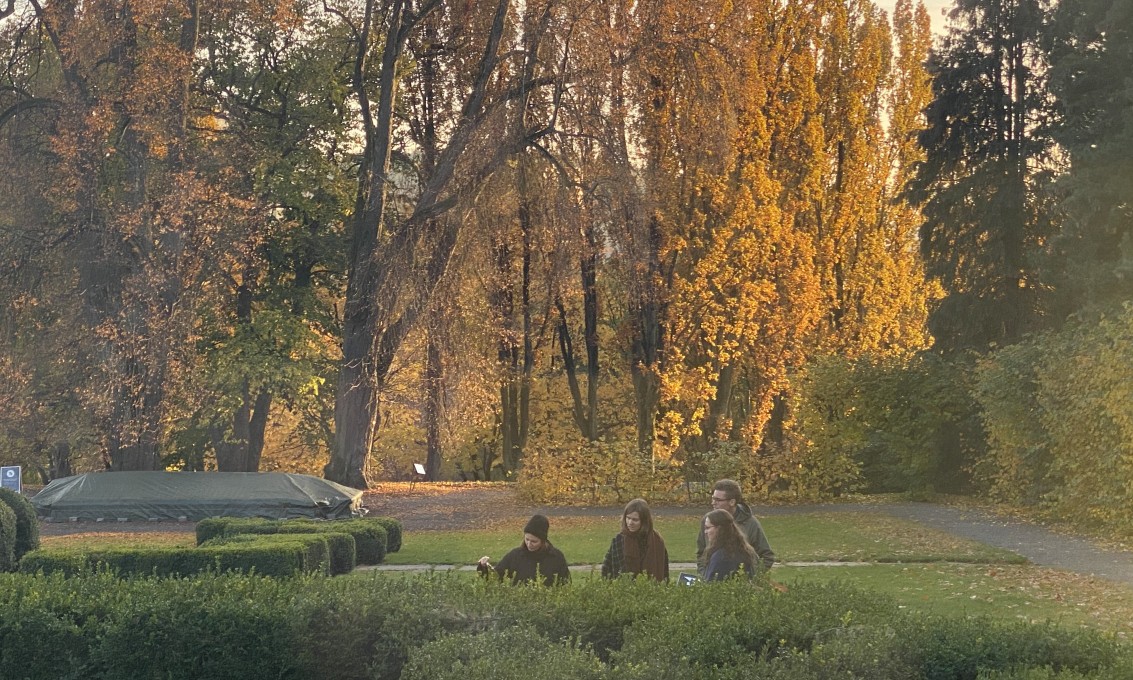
{"x": 372, "y": 535}
{"x": 8, "y": 533}
{"x": 343, "y": 557}
{"x": 27, "y": 525}
{"x": 279, "y": 556}
{"x": 373, "y": 626}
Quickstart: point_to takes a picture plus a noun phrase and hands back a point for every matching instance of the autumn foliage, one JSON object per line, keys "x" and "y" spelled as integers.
{"x": 602, "y": 248}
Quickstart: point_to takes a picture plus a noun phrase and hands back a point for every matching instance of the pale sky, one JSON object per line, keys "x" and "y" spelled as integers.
{"x": 936, "y": 9}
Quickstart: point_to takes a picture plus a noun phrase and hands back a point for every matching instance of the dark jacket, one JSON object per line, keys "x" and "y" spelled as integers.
{"x": 751, "y": 529}
{"x": 723, "y": 565}
{"x": 522, "y": 565}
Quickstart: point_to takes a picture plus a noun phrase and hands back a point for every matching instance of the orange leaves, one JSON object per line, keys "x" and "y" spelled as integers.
{"x": 774, "y": 171}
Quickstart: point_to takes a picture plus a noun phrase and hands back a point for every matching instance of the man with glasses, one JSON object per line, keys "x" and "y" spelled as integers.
{"x": 726, "y": 496}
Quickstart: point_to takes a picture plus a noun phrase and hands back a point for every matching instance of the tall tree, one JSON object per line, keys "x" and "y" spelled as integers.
{"x": 279, "y": 82}
{"x": 112, "y": 86}
{"x": 981, "y": 184}
{"x": 397, "y": 257}
{"x": 1090, "y": 63}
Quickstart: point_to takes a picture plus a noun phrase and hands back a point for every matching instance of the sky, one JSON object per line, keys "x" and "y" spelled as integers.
{"x": 935, "y": 11}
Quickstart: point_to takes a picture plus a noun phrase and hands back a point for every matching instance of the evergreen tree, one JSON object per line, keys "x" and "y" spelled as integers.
{"x": 1091, "y": 58}
{"x": 982, "y": 183}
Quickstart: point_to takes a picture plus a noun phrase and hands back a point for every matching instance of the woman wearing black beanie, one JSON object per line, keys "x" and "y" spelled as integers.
{"x": 534, "y": 560}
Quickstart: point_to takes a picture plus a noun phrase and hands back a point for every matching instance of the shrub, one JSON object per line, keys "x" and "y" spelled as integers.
{"x": 342, "y": 550}
{"x": 1059, "y": 413}
{"x": 8, "y": 533}
{"x": 947, "y": 648}
{"x": 370, "y": 534}
{"x": 377, "y": 627}
{"x": 27, "y": 525}
{"x": 858, "y": 652}
{"x": 511, "y": 654}
{"x": 903, "y": 424}
{"x": 393, "y": 532}
{"x": 273, "y": 556}
{"x": 593, "y": 472}
{"x": 215, "y": 627}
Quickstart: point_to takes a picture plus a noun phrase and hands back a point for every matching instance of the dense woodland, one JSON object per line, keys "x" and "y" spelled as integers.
{"x": 598, "y": 247}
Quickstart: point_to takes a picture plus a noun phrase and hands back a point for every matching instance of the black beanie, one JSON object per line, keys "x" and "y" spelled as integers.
{"x": 537, "y": 526}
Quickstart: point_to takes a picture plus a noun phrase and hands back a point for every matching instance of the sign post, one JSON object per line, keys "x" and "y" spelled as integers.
{"x": 10, "y": 477}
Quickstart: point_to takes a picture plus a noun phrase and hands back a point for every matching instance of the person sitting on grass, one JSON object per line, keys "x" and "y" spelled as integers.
{"x": 534, "y": 560}
{"x": 638, "y": 549}
{"x": 728, "y": 550}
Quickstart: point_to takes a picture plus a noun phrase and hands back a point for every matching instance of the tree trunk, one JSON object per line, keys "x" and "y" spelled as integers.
{"x": 388, "y": 287}
{"x": 434, "y": 406}
{"x": 589, "y": 273}
{"x": 648, "y": 344}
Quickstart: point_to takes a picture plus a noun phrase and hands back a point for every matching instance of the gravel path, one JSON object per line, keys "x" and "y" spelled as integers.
{"x": 1038, "y": 544}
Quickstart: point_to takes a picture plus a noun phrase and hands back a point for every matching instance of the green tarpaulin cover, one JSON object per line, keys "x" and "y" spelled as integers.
{"x": 193, "y": 496}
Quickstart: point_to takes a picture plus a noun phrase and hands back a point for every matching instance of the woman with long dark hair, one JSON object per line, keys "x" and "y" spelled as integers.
{"x": 728, "y": 550}
{"x": 638, "y": 548}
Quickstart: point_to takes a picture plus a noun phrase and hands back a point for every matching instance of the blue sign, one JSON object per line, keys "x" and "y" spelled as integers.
{"x": 10, "y": 477}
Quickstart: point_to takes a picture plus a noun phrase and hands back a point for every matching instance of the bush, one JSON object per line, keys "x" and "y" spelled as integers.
{"x": 8, "y": 533}
{"x": 370, "y": 534}
{"x": 854, "y": 653}
{"x": 596, "y": 472}
{"x": 945, "y": 648}
{"x": 1059, "y": 413}
{"x": 27, "y": 525}
{"x": 393, "y": 532}
{"x": 277, "y": 556}
{"x": 511, "y": 654}
{"x": 342, "y": 550}
{"x": 376, "y": 627}
{"x": 894, "y": 424}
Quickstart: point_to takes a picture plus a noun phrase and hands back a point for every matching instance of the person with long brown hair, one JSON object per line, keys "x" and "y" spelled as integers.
{"x": 637, "y": 548}
{"x": 727, "y": 548}
{"x": 726, "y": 495}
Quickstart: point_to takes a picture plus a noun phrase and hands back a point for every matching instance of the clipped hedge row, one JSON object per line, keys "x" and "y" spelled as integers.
{"x": 7, "y": 538}
{"x": 278, "y": 556}
{"x": 26, "y": 524}
{"x": 377, "y": 627}
{"x": 373, "y": 536}
{"x": 342, "y": 550}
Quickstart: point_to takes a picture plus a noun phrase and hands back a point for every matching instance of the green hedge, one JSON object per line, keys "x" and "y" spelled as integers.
{"x": 373, "y": 626}
{"x": 372, "y": 535}
{"x": 343, "y": 553}
{"x": 27, "y": 525}
{"x": 393, "y": 531}
{"x": 8, "y": 533}
{"x": 278, "y": 556}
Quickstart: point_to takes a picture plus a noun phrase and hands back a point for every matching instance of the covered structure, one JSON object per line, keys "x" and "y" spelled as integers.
{"x": 146, "y": 496}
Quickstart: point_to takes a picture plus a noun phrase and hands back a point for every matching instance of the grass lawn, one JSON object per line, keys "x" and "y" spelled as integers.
{"x": 1011, "y": 592}
{"x": 796, "y": 538}
{"x": 922, "y": 569}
